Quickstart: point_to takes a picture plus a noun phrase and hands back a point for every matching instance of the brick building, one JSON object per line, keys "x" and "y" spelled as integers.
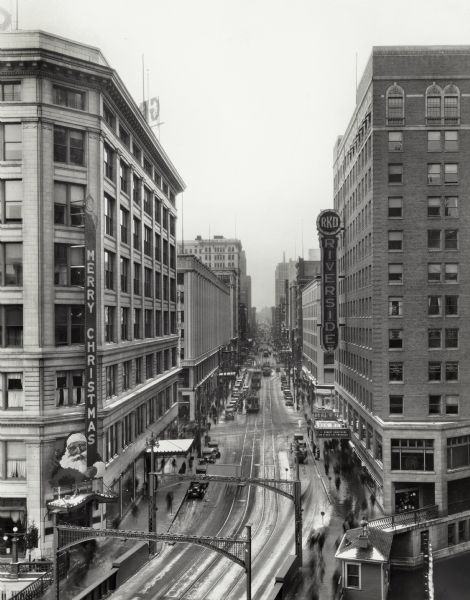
{"x": 400, "y": 184}
{"x": 70, "y": 134}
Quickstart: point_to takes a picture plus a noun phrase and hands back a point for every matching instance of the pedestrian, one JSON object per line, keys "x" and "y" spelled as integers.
{"x": 169, "y": 502}
{"x": 173, "y": 465}
{"x": 182, "y": 469}
{"x": 190, "y": 462}
{"x": 162, "y": 465}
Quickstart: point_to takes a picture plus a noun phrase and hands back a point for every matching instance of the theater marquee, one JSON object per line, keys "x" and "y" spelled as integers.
{"x": 328, "y": 226}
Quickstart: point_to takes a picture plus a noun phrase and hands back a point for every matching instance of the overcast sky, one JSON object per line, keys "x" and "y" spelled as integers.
{"x": 253, "y": 94}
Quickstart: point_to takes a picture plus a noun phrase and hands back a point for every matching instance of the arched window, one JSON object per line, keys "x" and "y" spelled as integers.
{"x": 433, "y": 104}
{"x": 395, "y": 105}
{"x": 451, "y": 104}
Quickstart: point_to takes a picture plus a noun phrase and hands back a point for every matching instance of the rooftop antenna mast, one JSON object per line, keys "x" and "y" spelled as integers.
{"x": 182, "y": 222}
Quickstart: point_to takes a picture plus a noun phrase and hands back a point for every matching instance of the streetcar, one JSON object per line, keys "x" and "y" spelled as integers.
{"x": 252, "y": 402}
{"x": 255, "y": 382}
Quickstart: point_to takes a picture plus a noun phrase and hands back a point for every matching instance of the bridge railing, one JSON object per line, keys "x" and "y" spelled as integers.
{"x": 406, "y": 518}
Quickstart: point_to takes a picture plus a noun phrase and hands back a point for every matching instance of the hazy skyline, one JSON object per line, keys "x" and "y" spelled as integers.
{"x": 253, "y": 95}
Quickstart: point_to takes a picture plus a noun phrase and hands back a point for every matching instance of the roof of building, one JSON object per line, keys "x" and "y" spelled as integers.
{"x": 378, "y": 548}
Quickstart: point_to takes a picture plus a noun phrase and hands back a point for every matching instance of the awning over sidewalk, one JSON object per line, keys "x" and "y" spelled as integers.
{"x": 331, "y": 429}
{"x": 173, "y": 447}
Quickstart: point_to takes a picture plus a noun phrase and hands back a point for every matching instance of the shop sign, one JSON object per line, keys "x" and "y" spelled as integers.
{"x": 337, "y": 432}
{"x": 329, "y": 225}
{"x": 91, "y": 408}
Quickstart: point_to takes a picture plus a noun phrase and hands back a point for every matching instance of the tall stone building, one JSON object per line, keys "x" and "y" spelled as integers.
{"x": 401, "y": 184}
{"x": 73, "y": 140}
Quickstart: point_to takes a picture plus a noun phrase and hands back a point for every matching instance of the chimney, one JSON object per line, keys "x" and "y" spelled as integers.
{"x": 363, "y": 539}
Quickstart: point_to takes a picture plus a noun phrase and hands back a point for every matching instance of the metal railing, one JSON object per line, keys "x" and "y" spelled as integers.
{"x": 418, "y": 516}
{"x": 37, "y": 588}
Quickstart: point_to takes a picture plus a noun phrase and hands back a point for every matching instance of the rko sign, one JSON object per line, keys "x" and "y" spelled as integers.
{"x": 329, "y": 225}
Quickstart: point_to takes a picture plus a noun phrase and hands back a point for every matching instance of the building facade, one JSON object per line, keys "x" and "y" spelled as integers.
{"x": 400, "y": 185}
{"x": 73, "y": 138}
{"x": 318, "y": 373}
{"x": 204, "y": 323}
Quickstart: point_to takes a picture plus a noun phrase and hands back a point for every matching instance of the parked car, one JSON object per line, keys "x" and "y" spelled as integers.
{"x": 289, "y": 402}
{"x": 229, "y": 414}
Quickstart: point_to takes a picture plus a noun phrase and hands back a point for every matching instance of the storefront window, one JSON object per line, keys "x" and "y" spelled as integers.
{"x": 412, "y": 455}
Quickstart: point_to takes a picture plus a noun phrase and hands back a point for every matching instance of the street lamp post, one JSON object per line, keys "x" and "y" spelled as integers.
{"x": 152, "y": 443}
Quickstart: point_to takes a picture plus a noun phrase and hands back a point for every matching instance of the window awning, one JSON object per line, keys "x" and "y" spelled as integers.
{"x": 178, "y": 447}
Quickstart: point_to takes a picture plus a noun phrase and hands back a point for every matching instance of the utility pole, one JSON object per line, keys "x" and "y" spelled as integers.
{"x": 152, "y": 518}
{"x": 248, "y": 561}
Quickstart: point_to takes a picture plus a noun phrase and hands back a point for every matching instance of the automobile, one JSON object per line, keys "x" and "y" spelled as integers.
{"x": 288, "y": 394}
{"x": 210, "y": 453}
{"x": 278, "y": 370}
{"x": 197, "y": 490}
{"x": 229, "y": 414}
{"x": 289, "y": 402}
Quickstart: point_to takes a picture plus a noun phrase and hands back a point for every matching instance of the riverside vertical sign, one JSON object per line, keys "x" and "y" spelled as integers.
{"x": 91, "y": 408}
{"x": 328, "y": 226}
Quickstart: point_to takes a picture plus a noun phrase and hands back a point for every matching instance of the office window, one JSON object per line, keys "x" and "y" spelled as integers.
{"x": 124, "y": 177}
{"x": 137, "y": 279}
{"x": 10, "y": 91}
{"x": 108, "y": 270}
{"x": 434, "y": 371}
{"x": 148, "y": 282}
{"x": 395, "y": 372}
{"x": 11, "y": 391}
{"x": 452, "y": 371}
{"x": 452, "y": 405}
{"x": 147, "y": 201}
{"x": 451, "y": 107}
{"x": 124, "y": 136}
{"x": 165, "y": 218}
{"x": 69, "y": 265}
{"x": 433, "y": 107}
{"x": 148, "y": 166}
{"x": 69, "y": 324}
{"x": 69, "y": 97}
{"x": 395, "y": 174}
{"x": 451, "y": 239}
{"x": 434, "y": 239}
{"x": 395, "y": 240}
{"x": 412, "y": 455}
{"x": 148, "y": 325}
{"x": 451, "y": 305}
{"x": 12, "y": 145}
{"x": 395, "y": 273}
{"x": 434, "y": 174}
{"x": 396, "y": 405}
{"x": 108, "y": 162}
{"x": 434, "y": 272}
{"x": 395, "y": 338}
{"x": 158, "y": 285}
{"x": 166, "y": 327}
{"x": 353, "y": 573}
{"x": 434, "y": 305}
{"x": 452, "y": 338}
{"x": 395, "y": 307}
{"x": 11, "y": 264}
{"x": 172, "y": 225}
{"x": 137, "y": 190}
{"x": 125, "y": 323}
{"x": 15, "y": 460}
{"x": 451, "y": 272}
{"x": 126, "y": 375}
{"x": 109, "y": 117}
{"x": 158, "y": 247}
{"x": 138, "y": 370}
{"x": 69, "y": 204}
{"x": 395, "y": 208}
{"x": 451, "y": 206}
{"x": 124, "y": 274}
{"x": 149, "y": 366}
{"x": 158, "y": 323}
{"x": 434, "y": 338}
{"x": 434, "y": 206}
{"x": 147, "y": 241}
{"x": 69, "y": 146}
{"x": 451, "y": 141}
{"x": 109, "y": 215}
{"x": 395, "y": 141}
{"x": 165, "y": 287}
{"x": 111, "y": 381}
{"x": 434, "y": 141}
{"x": 158, "y": 210}
{"x": 124, "y": 225}
{"x": 434, "y": 404}
{"x": 137, "y": 152}
{"x": 137, "y": 329}
{"x": 451, "y": 173}
{"x": 69, "y": 388}
{"x": 109, "y": 316}
{"x": 136, "y": 233}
